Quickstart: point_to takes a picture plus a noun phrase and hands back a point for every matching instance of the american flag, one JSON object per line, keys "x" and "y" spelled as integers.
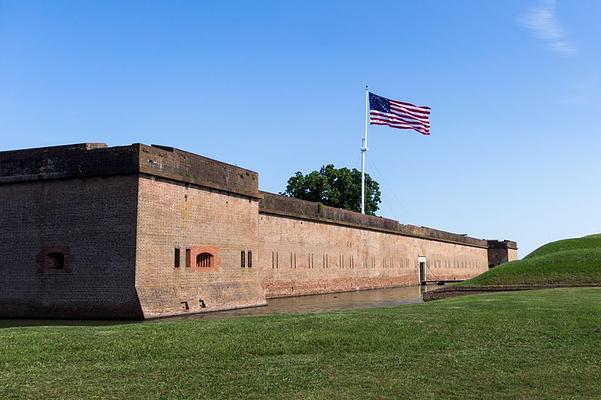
{"x": 397, "y": 114}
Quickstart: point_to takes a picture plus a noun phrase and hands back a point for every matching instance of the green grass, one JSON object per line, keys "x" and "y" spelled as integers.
{"x": 526, "y": 345}
{"x": 570, "y": 262}
{"x": 590, "y": 242}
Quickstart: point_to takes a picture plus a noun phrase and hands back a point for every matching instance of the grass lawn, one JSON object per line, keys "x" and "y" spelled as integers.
{"x": 524, "y": 345}
{"x": 571, "y": 261}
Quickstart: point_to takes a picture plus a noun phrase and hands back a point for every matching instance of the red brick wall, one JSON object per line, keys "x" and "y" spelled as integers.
{"x": 118, "y": 214}
{"x": 293, "y": 252}
{"x": 92, "y": 222}
{"x": 173, "y": 215}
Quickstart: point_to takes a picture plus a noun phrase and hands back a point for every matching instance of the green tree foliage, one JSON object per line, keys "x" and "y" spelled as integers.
{"x": 336, "y": 187}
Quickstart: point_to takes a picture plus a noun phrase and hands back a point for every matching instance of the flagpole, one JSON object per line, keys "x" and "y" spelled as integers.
{"x": 364, "y": 150}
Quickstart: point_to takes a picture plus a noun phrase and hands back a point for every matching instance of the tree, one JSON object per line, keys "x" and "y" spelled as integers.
{"x": 336, "y": 187}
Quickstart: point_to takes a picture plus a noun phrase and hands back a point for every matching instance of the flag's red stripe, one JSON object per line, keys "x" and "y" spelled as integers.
{"x": 392, "y": 125}
{"x": 381, "y": 119}
{"x": 423, "y": 132}
{"x": 395, "y": 124}
{"x": 399, "y": 121}
{"x": 404, "y": 114}
{"x": 402, "y": 118}
{"x": 417, "y": 113}
{"x": 424, "y": 109}
{"x": 374, "y": 120}
{"x": 394, "y": 108}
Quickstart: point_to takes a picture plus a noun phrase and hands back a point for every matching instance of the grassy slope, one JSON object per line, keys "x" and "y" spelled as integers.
{"x": 570, "y": 261}
{"x": 537, "y": 344}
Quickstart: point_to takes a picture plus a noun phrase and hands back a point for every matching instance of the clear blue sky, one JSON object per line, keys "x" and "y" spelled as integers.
{"x": 277, "y": 87}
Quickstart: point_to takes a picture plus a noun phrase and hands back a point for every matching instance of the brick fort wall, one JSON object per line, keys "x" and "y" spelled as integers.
{"x": 90, "y": 231}
{"x": 195, "y": 220}
{"x": 307, "y": 248}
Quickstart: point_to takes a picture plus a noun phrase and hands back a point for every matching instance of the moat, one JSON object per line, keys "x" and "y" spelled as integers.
{"x": 324, "y": 303}
{"x": 388, "y": 297}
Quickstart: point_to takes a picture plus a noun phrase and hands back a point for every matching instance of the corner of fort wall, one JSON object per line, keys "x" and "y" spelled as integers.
{"x": 112, "y": 218}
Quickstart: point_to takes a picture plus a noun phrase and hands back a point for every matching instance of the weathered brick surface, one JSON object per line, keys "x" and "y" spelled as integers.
{"x": 93, "y": 222}
{"x": 501, "y": 251}
{"x": 95, "y": 159}
{"x": 301, "y": 256}
{"x": 172, "y": 215}
{"x": 297, "y": 208}
{"x": 182, "y": 166}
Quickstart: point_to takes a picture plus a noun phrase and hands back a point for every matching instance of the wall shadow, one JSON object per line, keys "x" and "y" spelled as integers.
{"x": 22, "y": 323}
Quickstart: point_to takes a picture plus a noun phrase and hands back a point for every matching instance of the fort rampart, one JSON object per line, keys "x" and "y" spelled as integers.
{"x": 132, "y": 232}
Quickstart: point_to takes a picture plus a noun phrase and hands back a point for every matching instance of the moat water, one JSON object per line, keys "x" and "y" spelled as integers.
{"x": 303, "y": 304}
{"x": 325, "y": 302}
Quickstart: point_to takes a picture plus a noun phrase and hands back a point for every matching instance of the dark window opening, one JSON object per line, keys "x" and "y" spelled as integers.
{"x": 185, "y": 306}
{"x": 250, "y": 259}
{"x": 176, "y": 261}
{"x": 422, "y": 272}
{"x": 55, "y": 261}
{"x": 204, "y": 260}
{"x": 242, "y": 259}
{"x": 188, "y": 258}
{"x": 202, "y": 304}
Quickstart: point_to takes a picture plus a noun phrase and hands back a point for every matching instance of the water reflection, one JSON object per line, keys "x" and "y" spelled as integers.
{"x": 325, "y": 302}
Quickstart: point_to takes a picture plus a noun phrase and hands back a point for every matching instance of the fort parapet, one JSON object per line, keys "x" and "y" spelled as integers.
{"x": 133, "y": 232}
{"x": 88, "y": 160}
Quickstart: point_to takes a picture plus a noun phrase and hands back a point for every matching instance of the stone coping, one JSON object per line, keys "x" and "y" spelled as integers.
{"x": 96, "y": 160}
{"x": 453, "y": 291}
{"x": 502, "y": 244}
{"x": 307, "y": 210}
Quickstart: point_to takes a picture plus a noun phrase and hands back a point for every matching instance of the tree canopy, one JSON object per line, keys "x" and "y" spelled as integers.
{"x": 336, "y": 187}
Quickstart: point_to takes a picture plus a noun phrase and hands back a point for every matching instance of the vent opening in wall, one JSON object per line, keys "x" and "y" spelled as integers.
{"x": 176, "y": 258}
{"x": 202, "y": 304}
{"x": 55, "y": 261}
{"x": 242, "y": 259}
{"x": 204, "y": 260}
{"x": 185, "y": 306}
{"x": 250, "y": 259}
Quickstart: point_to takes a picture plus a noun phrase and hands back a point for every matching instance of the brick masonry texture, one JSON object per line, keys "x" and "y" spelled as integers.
{"x": 312, "y": 248}
{"x": 172, "y": 215}
{"x": 90, "y": 231}
{"x": 93, "y": 221}
{"x": 304, "y": 257}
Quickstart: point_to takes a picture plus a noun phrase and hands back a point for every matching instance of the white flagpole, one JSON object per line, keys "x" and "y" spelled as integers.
{"x": 364, "y": 150}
